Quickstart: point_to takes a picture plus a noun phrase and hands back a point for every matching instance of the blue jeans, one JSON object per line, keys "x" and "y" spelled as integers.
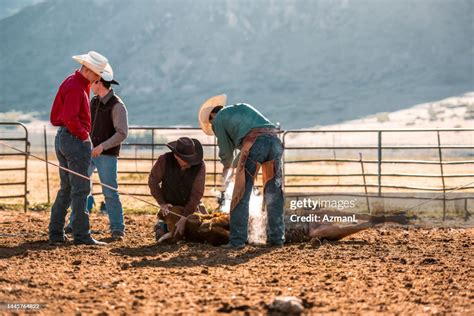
{"x": 265, "y": 148}
{"x": 75, "y": 155}
{"x": 106, "y": 165}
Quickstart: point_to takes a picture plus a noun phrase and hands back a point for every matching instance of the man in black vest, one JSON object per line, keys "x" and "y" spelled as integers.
{"x": 178, "y": 179}
{"x": 109, "y": 130}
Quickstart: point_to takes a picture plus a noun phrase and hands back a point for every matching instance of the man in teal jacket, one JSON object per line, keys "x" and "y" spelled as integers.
{"x": 241, "y": 126}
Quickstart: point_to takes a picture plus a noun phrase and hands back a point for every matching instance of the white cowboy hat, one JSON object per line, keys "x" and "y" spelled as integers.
{"x": 108, "y": 74}
{"x": 206, "y": 109}
{"x": 94, "y": 61}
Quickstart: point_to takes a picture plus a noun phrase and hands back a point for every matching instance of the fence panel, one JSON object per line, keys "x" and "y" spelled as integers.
{"x": 12, "y": 168}
{"x": 145, "y": 144}
{"x": 328, "y": 162}
{"x": 404, "y": 163}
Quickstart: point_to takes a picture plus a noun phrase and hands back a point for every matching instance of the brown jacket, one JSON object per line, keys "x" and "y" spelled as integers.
{"x": 156, "y": 176}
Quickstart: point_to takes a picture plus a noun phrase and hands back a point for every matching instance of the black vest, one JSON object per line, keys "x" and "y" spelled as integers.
{"x": 102, "y": 123}
{"x": 177, "y": 184}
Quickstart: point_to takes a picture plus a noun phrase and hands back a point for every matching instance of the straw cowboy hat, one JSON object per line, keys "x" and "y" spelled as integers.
{"x": 188, "y": 149}
{"x": 94, "y": 61}
{"x": 206, "y": 109}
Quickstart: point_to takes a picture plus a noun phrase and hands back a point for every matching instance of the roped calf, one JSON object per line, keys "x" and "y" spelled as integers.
{"x": 209, "y": 228}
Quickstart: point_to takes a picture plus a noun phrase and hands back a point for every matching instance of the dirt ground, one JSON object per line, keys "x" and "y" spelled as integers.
{"x": 386, "y": 270}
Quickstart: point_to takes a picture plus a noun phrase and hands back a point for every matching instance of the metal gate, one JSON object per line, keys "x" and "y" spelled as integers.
{"x": 9, "y": 132}
{"x": 367, "y": 152}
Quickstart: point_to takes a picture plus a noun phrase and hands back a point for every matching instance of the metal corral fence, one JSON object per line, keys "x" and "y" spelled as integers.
{"x": 14, "y": 177}
{"x": 362, "y": 163}
{"x": 138, "y": 154}
{"x": 141, "y": 150}
{"x": 146, "y": 144}
{"x": 396, "y": 149}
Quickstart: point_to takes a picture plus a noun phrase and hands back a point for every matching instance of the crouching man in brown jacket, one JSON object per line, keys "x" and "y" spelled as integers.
{"x": 178, "y": 179}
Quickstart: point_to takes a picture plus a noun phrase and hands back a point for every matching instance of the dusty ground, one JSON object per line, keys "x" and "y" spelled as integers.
{"x": 387, "y": 270}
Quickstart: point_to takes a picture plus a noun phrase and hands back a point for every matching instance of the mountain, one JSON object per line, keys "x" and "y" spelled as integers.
{"x": 301, "y": 62}
{"x": 10, "y": 7}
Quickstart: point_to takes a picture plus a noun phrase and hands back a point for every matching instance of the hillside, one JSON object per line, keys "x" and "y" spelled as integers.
{"x": 322, "y": 61}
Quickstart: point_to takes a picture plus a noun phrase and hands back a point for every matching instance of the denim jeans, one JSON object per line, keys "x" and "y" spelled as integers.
{"x": 265, "y": 148}
{"x": 106, "y": 165}
{"x": 74, "y": 154}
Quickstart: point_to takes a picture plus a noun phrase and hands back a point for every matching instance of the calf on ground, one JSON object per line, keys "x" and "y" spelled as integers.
{"x": 209, "y": 228}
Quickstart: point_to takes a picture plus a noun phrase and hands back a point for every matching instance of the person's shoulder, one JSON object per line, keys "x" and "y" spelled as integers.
{"x": 224, "y": 112}
{"x": 162, "y": 158}
{"x": 229, "y": 111}
{"x": 118, "y": 98}
{"x": 231, "y": 108}
{"x": 244, "y": 106}
{"x": 228, "y": 108}
{"x": 66, "y": 82}
{"x": 236, "y": 105}
{"x": 70, "y": 83}
{"x": 120, "y": 104}
{"x": 160, "y": 162}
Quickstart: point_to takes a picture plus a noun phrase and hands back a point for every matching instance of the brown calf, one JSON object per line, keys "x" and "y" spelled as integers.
{"x": 209, "y": 228}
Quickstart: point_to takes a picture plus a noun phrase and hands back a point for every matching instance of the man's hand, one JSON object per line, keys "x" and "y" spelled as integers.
{"x": 180, "y": 226}
{"x": 97, "y": 151}
{"x": 165, "y": 209}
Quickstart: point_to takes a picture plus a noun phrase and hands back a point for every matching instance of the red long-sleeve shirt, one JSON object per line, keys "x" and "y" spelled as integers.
{"x": 71, "y": 107}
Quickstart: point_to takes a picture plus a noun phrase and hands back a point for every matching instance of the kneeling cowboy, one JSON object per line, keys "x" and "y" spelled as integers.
{"x": 178, "y": 179}
{"x": 241, "y": 126}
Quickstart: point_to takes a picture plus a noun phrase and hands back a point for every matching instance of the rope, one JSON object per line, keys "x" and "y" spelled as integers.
{"x": 87, "y": 178}
{"x": 436, "y": 196}
{"x": 179, "y": 215}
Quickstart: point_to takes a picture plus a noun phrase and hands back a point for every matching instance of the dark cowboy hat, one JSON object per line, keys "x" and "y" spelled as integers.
{"x": 188, "y": 149}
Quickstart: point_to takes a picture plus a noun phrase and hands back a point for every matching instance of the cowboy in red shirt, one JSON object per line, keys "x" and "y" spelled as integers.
{"x": 71, "y": 112}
